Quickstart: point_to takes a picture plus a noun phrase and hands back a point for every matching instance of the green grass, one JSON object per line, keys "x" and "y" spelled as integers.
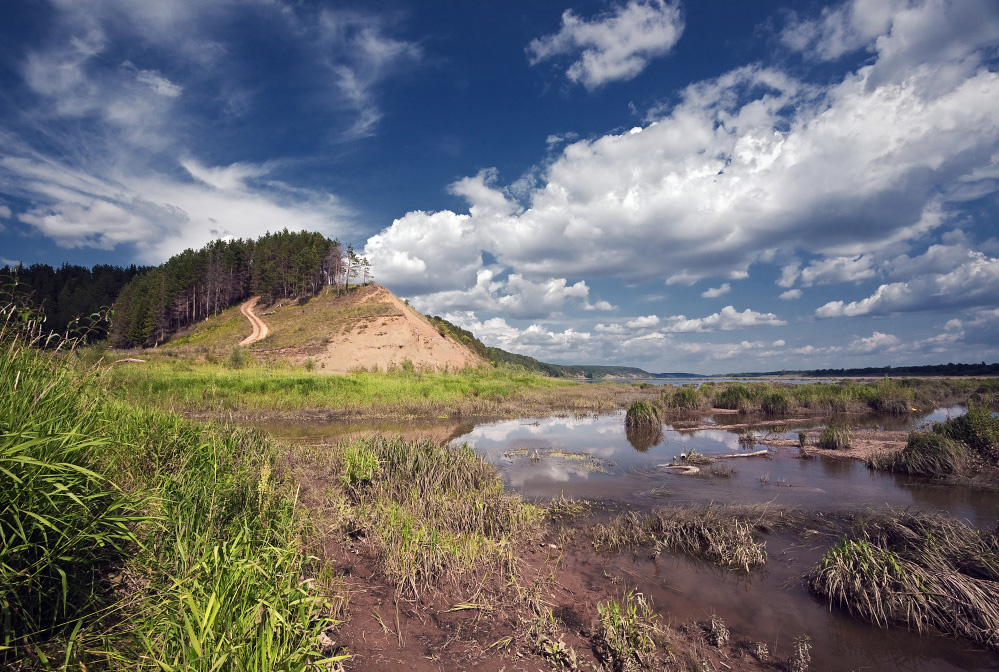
{"x": 628, "y": 633}
{"x": 220, "y": 389}
{"x": 835, "y": 437}
{"x": 134, "y": 539}
{"x": 643, "y": 414}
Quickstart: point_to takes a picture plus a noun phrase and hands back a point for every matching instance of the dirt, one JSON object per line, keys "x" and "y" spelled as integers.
{"x": 425, "y": 633}
{"x": 260, "y": 329}
{"x": 398, "y": 338}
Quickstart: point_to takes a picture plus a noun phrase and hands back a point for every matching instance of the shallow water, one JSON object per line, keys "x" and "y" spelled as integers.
{"x": 594, "y": 458}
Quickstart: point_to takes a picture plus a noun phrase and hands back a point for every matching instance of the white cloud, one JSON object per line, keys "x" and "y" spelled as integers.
{"x": 791, "y": 294}
{"x": 715, "y": 292}
{"x": 875, "y": 342}
{"x": 755, "y": 167}
{"x": 972, "y": 283}
{"x": 643, "y": 322}
{"x": 837, "y": 270}
{"x": 615, "y": 46}
{"x": 5, "y": 212}
{"x": 727, "y": 319}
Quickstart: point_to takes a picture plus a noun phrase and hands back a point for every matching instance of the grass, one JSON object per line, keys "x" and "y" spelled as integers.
{"x": 136, "y": 540}
{"x": 918, "y": 570}
{"x": 432, "y": 514}
{"x": 219, "y": 390}
{"x": 722, "y": 535}
{"x": 684, "y": 398}
{"x": 959, "y": 446}
{"x": 835, "y": 437}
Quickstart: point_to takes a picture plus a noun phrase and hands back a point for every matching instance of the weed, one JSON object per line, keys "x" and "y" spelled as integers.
{"x": 801, "y": 654}
{"x": 925, "y": 454}
{"x": 239, "y": 358}
{"x": 627, "y": 632}
{"x": 684, "y": 398}
{"x": 718, "y": 634}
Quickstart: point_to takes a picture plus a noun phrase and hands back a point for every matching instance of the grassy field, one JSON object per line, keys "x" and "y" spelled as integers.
{"x": 241, "y": 388}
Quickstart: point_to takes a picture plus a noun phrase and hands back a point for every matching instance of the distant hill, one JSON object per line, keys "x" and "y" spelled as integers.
{"x": 951, "y": 369}
{"x": 498, "y": 356}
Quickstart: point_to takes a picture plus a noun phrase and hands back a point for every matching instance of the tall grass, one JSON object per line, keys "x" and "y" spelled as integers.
{"x": 137, "y": 540}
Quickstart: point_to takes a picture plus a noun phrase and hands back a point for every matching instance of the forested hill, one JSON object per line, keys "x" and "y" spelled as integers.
{"x": 68, "y": 293}
{"x": 198, "y": 283}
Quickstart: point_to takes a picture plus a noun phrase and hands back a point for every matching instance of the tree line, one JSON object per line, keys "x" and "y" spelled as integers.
{"x": 196, "y": 284}
{"x": 70, "y": 296}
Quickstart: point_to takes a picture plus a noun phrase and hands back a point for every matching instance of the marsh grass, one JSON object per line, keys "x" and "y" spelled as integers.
{"x": 684, "y": 398}
{"x": 835, "y": 437}
{"x": 643, "y": 414}
{"x": 433, "y": 514}
{"x": 916, "y": 570}
{"x": 723, "y": 535}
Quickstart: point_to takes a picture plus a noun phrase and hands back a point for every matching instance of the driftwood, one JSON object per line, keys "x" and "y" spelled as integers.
{"x": 129, "y": 359}
{"x": 684, "y": 469}
{"x": 758, "y": 453}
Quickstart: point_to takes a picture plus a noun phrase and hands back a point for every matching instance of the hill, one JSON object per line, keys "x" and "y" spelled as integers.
{"x": 367, "y": 328}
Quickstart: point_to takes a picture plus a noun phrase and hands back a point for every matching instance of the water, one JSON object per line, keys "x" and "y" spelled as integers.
{"x": 594, "y": 458}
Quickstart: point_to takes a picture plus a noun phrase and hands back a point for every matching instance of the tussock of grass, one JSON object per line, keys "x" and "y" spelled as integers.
{"x": 925, "y": 454}
{"x": 916, "y": 570}
{"x": 723, "y": 535}
{"x": 643, "y": 414}
{"x": 835, "y": 437}
{"x": 684, "y": 398}
{"x": 956, "y": 447}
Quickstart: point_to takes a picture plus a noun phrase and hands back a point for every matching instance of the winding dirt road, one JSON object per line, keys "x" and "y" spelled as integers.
{"x": 259, "y": 326}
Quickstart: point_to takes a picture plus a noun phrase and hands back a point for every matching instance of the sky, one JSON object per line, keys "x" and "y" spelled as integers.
{"x": 711, "y": 186}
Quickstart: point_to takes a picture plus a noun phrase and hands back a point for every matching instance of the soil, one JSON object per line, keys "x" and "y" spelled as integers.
{"x": 383, "y": 630}
{"x": 400, "y": 338}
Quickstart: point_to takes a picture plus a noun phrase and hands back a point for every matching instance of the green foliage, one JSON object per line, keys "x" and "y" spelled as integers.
{"x": 627, "y": 632}
{"x": 360, "y": 465}
{"x": 134, "y": 539}
{"x": 239, "y": 358}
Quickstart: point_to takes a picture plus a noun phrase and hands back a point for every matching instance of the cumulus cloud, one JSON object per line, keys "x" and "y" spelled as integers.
{"x": 972, "y": 283}
{"x": 614, "y": 46}
{"x": 755, "y": 167}
{"x": 791, "y": 294}
{"x": 875, "y": 342}
{"x": 727, "y": 319}
{"x": 5, "y": 212}
{"x": 715, "y": 292}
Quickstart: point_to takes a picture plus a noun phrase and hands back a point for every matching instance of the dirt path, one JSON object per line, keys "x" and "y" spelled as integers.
{"x": 259, "y": 326}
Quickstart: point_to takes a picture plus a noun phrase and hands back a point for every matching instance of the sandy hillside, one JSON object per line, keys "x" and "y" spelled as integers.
{"x": 368, "y": 329}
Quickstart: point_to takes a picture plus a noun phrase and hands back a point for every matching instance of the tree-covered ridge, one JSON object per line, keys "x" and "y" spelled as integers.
{"x": 70, "y": 293}
{"x": 198, "y": 283}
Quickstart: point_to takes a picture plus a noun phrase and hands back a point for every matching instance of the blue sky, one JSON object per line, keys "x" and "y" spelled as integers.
{"x": 705, "y": 186}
